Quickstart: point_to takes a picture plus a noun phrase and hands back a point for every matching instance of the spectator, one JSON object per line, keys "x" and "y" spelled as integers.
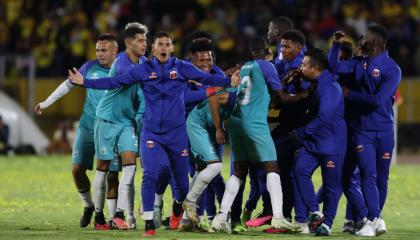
{"x": 62, "y": 140}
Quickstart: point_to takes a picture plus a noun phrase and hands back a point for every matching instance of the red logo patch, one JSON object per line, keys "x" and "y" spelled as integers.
{"x": 150, "y": 144}
{"x": 375, "y": 72}
{"x": 330, "y": 164}
{"x": 173, "y": 74}
{"x": 360, "y": 148}
{"x": 386, "y": 156}
{"x": 184, "y": 153}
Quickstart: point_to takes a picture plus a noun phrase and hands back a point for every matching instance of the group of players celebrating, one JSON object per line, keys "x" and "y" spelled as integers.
{"x": 335, "y": 113}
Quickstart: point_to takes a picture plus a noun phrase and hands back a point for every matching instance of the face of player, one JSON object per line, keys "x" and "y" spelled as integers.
{"x": 203, "y": 60}
{"x": 105, "y": 52}
{"x": 367, "y": 43}
{"x": 308, "y": 71}
{"x": 163, "y": 48}
{"x": 290, "y": 49}
{"x": 138, "y": 45}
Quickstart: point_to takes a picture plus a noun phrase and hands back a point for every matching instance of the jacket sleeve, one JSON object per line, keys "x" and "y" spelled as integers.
{"x": 135, "y": 75}
{"x": 192, "y": 96}
{"x": 390, "y": 81}
{"x": 191, "y": 72}
{"x": 337, "y": 66}
{"x": 329, "y": 99}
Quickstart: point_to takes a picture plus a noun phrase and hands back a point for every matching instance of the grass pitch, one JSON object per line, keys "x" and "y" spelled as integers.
{"x": 38, "y": 200}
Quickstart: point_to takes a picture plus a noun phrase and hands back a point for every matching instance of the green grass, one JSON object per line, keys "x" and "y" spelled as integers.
{"x": 38, "y": 200}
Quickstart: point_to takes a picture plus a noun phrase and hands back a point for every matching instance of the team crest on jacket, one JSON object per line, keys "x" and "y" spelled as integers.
{"x": 184, "y": 153}
{"x": 173, "y": 74}
{"x": 150, "y": 144}
{"x": 360, "y": 148}
{"x": 386, "y": 156}
{"x": 330, "y": 164}
{"x": 375, "y": 72}
{"x": 153, "y": 75}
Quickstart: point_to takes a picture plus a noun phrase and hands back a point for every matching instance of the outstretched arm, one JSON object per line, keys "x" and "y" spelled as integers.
{"x": 60, "y": 91}
{"x": 189, "y": 71}
{"x": 138, "y": 73}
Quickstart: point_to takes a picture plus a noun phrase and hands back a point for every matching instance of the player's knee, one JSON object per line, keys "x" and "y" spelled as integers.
{"x": 271, "y": 166}
{"x": 112, "y": 178}
{"x": 102, "y": 165}
{"x": 78, "y": 170}
{"x": 128, "y": 158}
{"x": 216, "y": 167}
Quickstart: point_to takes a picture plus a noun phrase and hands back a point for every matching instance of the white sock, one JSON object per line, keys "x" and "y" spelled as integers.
{"x": 232, "y": 188}
{"x": 158, "y": 200}
{"x": 201, "y": 218}
{"x": 125, "y": 187}
{"x": 112, "y": 206}
{"x": 203, "y": 178}
{"x": 86, "y": 197}
{"x": 99, "y": 188}
{"x": 276, "y": 194}
{"x": 148, "y": 215}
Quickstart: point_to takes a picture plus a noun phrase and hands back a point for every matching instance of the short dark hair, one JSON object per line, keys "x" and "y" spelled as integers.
{"x": 162, "y": 34}
{"x": 201, "y": 45}
{"x": 107, "y": 37}
{"x": 282, "y": 22}
{"x": 257, "y": 45}
{"x": 295, "y": 36}
{"x": 317, "y": 58}
{"x": 380, "y": 31}
{"x": 131, "y": 32}
{"x": 201, "y": 34}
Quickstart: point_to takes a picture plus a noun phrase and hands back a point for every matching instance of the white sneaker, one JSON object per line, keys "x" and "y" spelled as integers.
{"x": 131, "y": 222}
{"x": 304, "y": 229}
{"x": 380, "y": 226}
{"x": 220, "y": 223}
{"x": 282, "y": 223}
{"x": 157, "y": 216}
{"x": 348, "y": 226}
{"x": 367, "y": 230}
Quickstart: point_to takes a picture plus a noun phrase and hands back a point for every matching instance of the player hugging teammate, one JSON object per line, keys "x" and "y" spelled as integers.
{"x": 335, "y": 113}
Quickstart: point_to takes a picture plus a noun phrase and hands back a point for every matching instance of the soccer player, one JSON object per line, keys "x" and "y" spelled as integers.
{"x": 319, "y": 144}
{"x": 276, "y": 28}
{"x": 83, "y": 147}
{"x": 202, "y": 56}
{"x": 370, "y": 98}
{"x": 250, "y": 135}
{"x": 163, "y": 80}
{"x": 205, "y": 132}
{"x": 115, "y": 129}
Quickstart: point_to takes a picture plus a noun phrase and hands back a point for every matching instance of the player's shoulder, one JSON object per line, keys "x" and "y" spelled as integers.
{"x": 90, "y": 64}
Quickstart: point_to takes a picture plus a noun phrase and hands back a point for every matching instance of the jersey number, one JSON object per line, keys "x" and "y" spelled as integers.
{"x": 245, "y": 90}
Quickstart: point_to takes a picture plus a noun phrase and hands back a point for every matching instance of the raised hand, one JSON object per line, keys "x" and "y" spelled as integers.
{"x": 75, "y": 77}
{"x": 339, "y": 37}
{"x": 235, "y": 79}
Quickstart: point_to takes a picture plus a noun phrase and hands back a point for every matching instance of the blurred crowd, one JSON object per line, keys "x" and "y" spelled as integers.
{"x": 62, "y": 33}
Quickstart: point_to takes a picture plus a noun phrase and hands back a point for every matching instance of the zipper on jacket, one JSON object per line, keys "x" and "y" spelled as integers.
{"x": 161, "y": 95}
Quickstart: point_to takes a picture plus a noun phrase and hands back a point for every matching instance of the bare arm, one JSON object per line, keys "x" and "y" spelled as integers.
{"x": 214, "y": 104}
